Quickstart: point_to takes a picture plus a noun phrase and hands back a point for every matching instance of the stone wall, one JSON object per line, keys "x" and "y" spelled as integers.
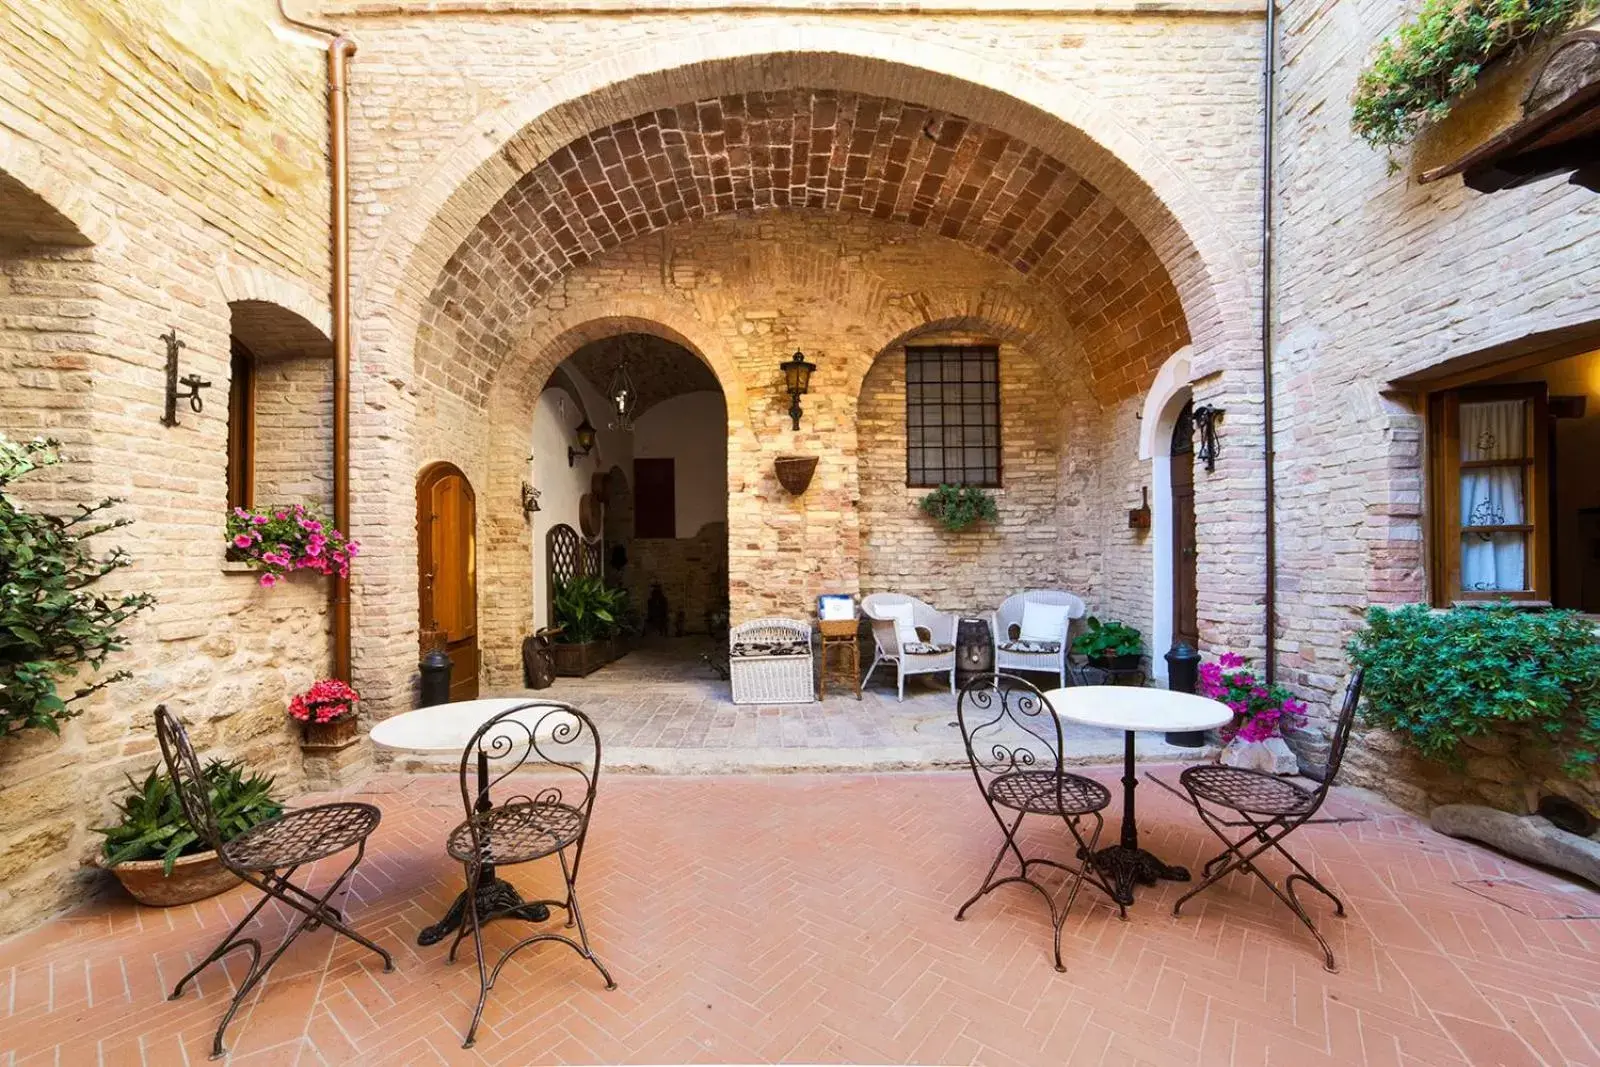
{"x": 1379, "y": 277}
{"x": 176, "y": 176}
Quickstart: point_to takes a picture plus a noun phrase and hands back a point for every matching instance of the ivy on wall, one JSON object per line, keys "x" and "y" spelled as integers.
{"x": 1417, "y": 72}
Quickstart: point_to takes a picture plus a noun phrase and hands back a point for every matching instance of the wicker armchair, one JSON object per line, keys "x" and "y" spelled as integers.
{"x": 770, "y": 662}
{"x": 935, "y": 655}
{"x": 1047, "y": 656}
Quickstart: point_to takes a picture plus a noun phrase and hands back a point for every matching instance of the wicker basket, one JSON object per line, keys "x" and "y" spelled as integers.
{"x": 794, "y": 472}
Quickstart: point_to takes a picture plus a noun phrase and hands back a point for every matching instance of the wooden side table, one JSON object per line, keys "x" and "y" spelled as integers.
{"x": 839, "y": 635}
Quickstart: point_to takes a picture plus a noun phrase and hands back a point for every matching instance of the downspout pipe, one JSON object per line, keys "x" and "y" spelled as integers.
{"x": 1269, "y": 452}
{"x": 341, "y": 47}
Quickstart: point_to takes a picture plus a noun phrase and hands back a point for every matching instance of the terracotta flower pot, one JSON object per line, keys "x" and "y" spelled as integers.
{"x": 193, "y": 878}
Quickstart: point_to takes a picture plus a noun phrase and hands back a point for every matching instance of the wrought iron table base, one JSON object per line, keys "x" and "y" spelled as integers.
{"x": 497, "y": 899}
{"x": 1125, "y": 863}
{"x": 1125, "y": 867}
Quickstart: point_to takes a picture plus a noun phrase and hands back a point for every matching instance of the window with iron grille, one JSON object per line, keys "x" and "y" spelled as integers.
{"x": 953, "y": 415}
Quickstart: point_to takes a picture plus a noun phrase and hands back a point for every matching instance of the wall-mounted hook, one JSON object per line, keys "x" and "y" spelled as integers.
{"x": 191, "y": 383}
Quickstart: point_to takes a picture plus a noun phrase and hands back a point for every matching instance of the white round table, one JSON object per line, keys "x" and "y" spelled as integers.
{"x": 1132, "y": 709}
{"x": 449, "y": 728}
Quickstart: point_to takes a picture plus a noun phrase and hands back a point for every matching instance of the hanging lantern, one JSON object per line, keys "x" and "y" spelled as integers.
{"x": 622, "y": 394}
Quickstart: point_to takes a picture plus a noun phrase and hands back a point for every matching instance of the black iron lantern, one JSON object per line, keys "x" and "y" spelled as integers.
{"x": 1205, "y": 425}
{"x": 624, "y": 397}
{"x": 797, "y": 379}
{"x": 585, "y": 435}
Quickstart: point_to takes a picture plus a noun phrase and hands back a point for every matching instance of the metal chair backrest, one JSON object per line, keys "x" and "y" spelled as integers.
{"x": 541, "y": 735}
{"x": 188, "y": 777}
{"x": 1341, "y": 730}
{"x": 1007, "y": 726}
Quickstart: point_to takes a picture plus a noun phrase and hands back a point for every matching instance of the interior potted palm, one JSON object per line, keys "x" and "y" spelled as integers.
{"x": 589, "y": 615}
{"x": 1110, "y": 645}
{"x": 159, "y": 858}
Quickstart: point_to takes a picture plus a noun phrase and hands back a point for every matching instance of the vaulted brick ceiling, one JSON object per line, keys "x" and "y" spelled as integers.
{"x": 816, "y": 150}
{"x": 659, "y": 369}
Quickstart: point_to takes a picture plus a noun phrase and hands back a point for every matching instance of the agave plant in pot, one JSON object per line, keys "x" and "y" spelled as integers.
{"x": 158, "y": 857}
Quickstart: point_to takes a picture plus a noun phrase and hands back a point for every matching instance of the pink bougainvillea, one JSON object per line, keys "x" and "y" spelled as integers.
{"x": 327, "y": 701}
{"x": 1260, "y": 711}
{"x": 288, "y": 538}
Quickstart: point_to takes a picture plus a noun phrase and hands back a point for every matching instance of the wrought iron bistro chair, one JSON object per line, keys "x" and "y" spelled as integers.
{"x": 1014, "y": 746}
{"x": 1270, "y": 809}
{"x": 561, "y": 742}
{"x": 267, "y": 856}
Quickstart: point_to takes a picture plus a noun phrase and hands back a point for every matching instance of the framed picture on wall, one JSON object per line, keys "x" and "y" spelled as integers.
{"x": 836, "y": 607}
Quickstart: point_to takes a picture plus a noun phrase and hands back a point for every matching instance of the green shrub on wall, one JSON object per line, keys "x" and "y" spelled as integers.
{"x": 1417, "y": 71}
{"x": 1439, "y": 677}
{"x": 52, "y": 624}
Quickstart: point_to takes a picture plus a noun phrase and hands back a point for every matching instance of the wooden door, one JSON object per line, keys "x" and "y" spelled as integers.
{"x": 447, "y": 572}
{"x": 655, "y": 498}
{"x": 1185, "y": 601}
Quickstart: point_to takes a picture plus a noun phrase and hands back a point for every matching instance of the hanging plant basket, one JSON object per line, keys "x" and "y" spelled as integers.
{"x": 794, "y": 472}
{"x": 957, "y": 507}
{"x": 339, "y": 733}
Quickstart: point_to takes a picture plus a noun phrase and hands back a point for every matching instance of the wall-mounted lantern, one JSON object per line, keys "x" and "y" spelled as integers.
{"x": 1139, "y": 517}
{"x": 191, "y": 383}
{"x": 797, "y": 380}
{"x": 1205, "y": 418}
{"x": 530, "y": 500}
{"x": 585, "y": 435}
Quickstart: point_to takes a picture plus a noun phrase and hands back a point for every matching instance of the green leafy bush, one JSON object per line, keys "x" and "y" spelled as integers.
{"x": 959, "y": 506}
{"x": 1428, "y": 61}
{"x": 1107, "y": 640}
{"x": 153, "y": 826}
{"x": 51, "y": 623}
{"x": 1438, "y": 677}
{"x": 587, "y": 609}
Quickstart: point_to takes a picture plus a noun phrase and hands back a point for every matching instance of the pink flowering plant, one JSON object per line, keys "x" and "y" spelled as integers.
{"x": 327, "y": 701}
{"x": 1260, "y": 711}
{"x": 288, "y": 537}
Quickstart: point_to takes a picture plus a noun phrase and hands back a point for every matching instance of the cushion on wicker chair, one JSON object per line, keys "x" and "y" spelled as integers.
{"x": 768, "y": 649}
{"x": 1047, "y": 648}
{"x": 925, "y": 648}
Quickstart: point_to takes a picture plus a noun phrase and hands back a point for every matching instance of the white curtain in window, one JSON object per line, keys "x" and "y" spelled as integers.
{"x": 1493, "y": 496}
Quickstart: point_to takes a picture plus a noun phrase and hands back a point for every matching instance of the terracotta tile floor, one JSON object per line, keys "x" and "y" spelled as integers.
{"x": 808, "y": 918}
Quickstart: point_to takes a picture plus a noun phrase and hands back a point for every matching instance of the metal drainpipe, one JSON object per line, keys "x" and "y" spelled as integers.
{"x": 1270, "y": 498}
{"x": 340, "y": 49}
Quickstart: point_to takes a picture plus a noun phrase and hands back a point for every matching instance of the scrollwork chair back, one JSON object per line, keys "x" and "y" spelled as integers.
{"x": 188, "y": 777}
{"x": 548, "y": 738}
{"x": 1008, "y": 726}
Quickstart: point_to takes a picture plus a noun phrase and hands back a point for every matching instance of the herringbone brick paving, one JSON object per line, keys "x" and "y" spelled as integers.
{"x": 809, "y": 918}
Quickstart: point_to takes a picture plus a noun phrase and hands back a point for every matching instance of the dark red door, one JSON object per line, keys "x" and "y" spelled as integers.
{"x": 655, "y": 499}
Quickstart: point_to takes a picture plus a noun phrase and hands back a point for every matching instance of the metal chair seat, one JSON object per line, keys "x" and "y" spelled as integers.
{"x": 1256, "y": 792}
{"x": 517, "y": 832}
{"x": 302, "y": 836}
{"x": 1039, "y": 793}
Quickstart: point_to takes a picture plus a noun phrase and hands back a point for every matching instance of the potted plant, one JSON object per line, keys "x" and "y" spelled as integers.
{"x": 1110, "y": 645}
{"x": 53, "y": 623}
{"x": 159, "y": 858}
{"x": 327, "y": 715}
{"x": 958, "y": 506}
{"x": 285, "y": 538}
{"x": 588, "y": 619}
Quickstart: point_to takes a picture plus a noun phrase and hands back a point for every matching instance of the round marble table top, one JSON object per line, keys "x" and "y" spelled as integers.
{"x": 1126, "y": 707}
{"x": 448, "y": 727}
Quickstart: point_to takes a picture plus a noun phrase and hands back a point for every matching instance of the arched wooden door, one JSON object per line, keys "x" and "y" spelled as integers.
{"x": 447, "y": 572}
{"x": 1185, "y": 601}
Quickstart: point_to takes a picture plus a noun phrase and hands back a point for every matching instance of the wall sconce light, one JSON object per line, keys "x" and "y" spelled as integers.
{"x": 530, "y": 500}
{"x": 191, "y": 383}
{"x": 1139, "y": 517}
{"x": 585, "y": 434}
{"x": 1205, "y": 418}
{"x": 797, "y": 379}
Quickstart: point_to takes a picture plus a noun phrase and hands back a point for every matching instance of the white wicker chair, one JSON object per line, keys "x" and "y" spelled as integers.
{"x": 1044, "y": 659}
{"x": 891, "y": 648}
{"x": 783, "y": 676}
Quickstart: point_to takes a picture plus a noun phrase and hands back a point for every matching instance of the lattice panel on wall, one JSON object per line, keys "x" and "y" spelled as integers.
{"x": 567, "y": 556}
